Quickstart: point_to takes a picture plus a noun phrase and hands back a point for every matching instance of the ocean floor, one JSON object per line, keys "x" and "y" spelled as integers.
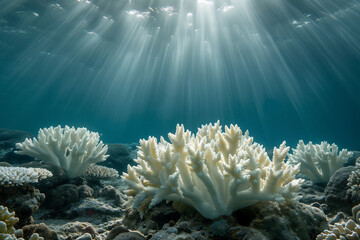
{"x": 87, "y": 208}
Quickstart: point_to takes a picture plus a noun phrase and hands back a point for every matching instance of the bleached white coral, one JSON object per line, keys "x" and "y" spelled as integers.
{"x": 7, "y": 222}
{"x": 215, "y": 172}
{"x": 347, "y": 231}
{"x": 17, "y": 176}
{"x": 72, "y": 149}
{"x": 319, "y": 161}
{"x": 100, "y": 172}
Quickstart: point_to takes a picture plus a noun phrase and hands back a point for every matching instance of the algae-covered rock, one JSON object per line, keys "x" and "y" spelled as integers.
{"x": 115, "y": 232}
{"x": 25, "y": 200}
{"x": 41, "y": 229}
{"x": 311, "y": 192}
{"x": 74, "y": 230}
{"x": 62, "y": 196}
{"x": 7, "y": 229}
{"x": 285, "y": 221}
{"x": 85, "y": 236}
{"x": 111, "y": 194}
{"x": 160, "y": 214}
{"x": 336, "y": 194}
{"x": 85, "y": 191}
{"x": 92, "y": 208}
{"x": 129, "y": 236}
{"x": 242, "y": 232}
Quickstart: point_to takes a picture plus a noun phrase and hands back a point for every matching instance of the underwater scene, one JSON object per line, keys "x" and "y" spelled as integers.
{"x": 179, "y": 119}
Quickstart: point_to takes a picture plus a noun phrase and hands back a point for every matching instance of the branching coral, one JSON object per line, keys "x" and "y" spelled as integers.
{"x": 215, "y": 172}
{"x": 72, "y": 149}
{"x": 319, "y": 161}
{"x": 15, "y": 176}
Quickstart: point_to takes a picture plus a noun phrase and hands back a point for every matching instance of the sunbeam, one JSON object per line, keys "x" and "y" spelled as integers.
{"x": 271, "y": 66}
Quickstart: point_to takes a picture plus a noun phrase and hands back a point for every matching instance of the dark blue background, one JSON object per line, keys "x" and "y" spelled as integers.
{"x": 294, "y": 74}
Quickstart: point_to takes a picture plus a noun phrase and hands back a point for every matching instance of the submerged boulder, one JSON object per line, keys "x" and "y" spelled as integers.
{"x": 25, "y": 200}
{"x": 62, "y": 197}
{"x": 284, "y": 221}
{"x": 336, "y": 195}
{"x": 41, "y": 229}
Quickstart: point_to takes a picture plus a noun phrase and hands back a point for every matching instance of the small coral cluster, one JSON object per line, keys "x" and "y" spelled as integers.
{"x": 72, "y": 149}
{"x": 97, "y": 172}
{"x": 319, "y": 161}
{"x": 7, "y": 222}
{"x": 350, "y": 231}
{"x": 354, "y": 180}
{"x": 216, "y": 172}
{"x": 17, "y": 176}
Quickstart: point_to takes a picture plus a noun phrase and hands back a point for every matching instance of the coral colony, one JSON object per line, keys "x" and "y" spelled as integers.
{"x": 18, "y": 176}
{"x": 215, "y": 171}
{"x": 74, "y": 150}
{"x": 319, "y": 161}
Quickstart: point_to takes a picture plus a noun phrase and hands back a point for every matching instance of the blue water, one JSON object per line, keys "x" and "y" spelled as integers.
{"x": 285, "y": 70}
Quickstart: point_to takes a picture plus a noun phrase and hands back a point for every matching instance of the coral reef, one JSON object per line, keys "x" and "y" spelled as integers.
{"x": 72, "y": 149}
{"x": 213, "y": 171}
{"x": 17, "y": 176}
{"x": 319, "y": 161}
{"x": 210, "y": 185}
